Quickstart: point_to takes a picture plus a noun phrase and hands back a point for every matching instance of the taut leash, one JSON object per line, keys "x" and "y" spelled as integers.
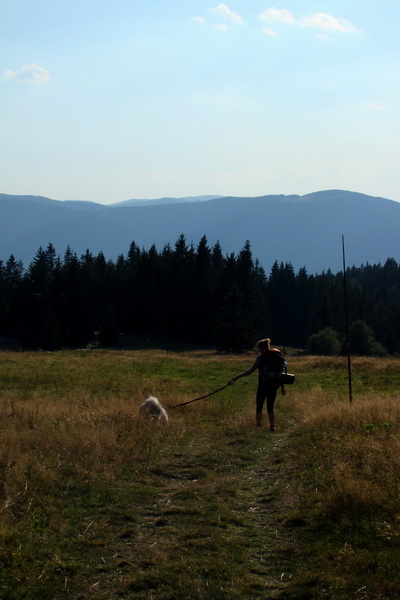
{"x": 202, "y": 397}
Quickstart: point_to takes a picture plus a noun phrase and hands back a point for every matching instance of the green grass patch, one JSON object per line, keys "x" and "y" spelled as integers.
{"x": 96, "y": 503}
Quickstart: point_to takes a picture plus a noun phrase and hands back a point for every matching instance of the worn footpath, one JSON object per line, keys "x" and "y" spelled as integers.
{"x": 212, "y": 521}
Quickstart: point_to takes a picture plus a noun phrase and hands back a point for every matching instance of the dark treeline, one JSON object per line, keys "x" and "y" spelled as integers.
{"x": 195, "y": 295}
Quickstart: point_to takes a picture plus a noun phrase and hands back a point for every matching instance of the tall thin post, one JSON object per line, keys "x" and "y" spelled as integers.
{"x": 346, "y": 312}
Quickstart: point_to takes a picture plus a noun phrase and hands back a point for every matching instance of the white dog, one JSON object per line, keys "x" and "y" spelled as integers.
{"x": 153, "y": 409}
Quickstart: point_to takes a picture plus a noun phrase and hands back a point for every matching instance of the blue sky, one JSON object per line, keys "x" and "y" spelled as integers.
{"x": 111, "y": 100}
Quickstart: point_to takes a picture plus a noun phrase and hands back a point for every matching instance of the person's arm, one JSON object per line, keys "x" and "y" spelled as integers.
{"x": 245, "y": 373}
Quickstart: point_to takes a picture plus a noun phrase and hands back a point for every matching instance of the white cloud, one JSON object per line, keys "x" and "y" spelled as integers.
{"x": 325, "y": 22}
{"x": 272, "y": 15}
{"x": 29, "y": 73}
{"x": 221, "y": 27}
{"x": 319, "y": 20}
{"x": 269, "y": 31}
{"x": 222, "y": 10}
{"x": 200, "y": 20}
{"x": 375, "y": 106}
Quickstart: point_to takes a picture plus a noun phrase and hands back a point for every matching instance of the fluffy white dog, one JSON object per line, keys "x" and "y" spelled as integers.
{"x": 153, "y": 409}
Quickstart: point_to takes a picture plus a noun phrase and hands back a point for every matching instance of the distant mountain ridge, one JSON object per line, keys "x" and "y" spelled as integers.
{"x": 303, "y": 230}
{"x": 166, "y": 200}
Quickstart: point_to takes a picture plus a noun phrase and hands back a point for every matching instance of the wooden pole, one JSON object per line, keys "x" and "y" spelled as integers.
{"x": 346, "y": 312}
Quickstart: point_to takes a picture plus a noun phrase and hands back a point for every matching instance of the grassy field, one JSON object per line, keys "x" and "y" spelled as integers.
{"x": 96, "y": 503}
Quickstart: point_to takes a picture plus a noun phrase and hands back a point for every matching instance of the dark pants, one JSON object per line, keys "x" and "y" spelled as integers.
{"x": 267, "y": 392}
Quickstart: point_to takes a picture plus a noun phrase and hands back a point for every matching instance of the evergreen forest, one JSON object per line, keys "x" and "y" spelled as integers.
{"x": 197, "y": 296}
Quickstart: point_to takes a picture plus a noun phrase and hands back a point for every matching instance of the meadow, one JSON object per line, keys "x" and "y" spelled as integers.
{"x": 96, "y": 503}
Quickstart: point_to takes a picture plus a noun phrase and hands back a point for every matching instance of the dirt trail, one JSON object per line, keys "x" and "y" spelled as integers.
{"x": 217, "y": 521}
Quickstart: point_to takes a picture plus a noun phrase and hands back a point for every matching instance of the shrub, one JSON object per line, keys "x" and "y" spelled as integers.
{"x": 362, "y": 340}
{"x": 325, "y": 342}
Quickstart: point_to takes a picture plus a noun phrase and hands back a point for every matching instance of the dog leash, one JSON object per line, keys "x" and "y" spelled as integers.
{"x": 202, "y": 397}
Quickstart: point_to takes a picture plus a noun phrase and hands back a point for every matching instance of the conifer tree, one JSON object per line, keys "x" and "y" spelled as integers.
{"x": 108, "y": 329}
{"x": 233, "y": 331}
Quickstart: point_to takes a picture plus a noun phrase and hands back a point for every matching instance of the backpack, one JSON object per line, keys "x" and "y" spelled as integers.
{"x": 274, "y": 368}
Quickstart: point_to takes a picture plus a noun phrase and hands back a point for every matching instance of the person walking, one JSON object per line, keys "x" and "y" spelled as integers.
{"x": 269, "y": 360}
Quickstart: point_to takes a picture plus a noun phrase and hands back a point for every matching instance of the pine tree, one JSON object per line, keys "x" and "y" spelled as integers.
{"x": 233, "y": 331}
{"x": 108, "y": 329}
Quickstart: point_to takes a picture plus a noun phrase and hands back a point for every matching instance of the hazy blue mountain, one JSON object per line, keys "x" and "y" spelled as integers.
{"x": 303, "y": 230}
{"x": 165, "y": 200}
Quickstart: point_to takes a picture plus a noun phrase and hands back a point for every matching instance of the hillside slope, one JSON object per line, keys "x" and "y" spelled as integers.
{"x": 303, "y": 230}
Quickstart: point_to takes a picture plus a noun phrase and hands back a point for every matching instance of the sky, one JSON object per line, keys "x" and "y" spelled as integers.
{"x": 112, "y": 100}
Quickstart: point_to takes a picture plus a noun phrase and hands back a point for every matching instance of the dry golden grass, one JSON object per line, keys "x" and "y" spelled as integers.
{"x": 77, "y": 464}
{"x": 359, "y": 363}
{"x": 69, "y": 416}
{"x": 82, "y": 473}
{"x": 353, "y": 452}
